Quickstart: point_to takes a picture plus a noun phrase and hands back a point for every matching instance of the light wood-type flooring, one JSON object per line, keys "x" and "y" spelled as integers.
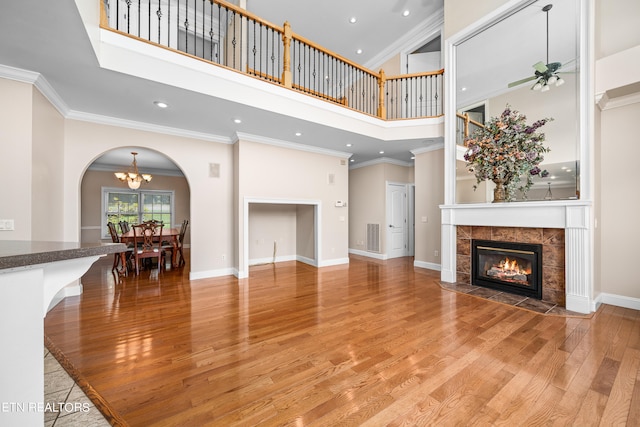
{"x": 374, "y": 343}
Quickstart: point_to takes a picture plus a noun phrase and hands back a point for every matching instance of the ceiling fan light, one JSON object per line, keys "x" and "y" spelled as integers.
{"x": 545, "y": 88}
{"x": 560, "y": 81}
{"x": 552, "y": 79}
{"x": 537, "y": 86}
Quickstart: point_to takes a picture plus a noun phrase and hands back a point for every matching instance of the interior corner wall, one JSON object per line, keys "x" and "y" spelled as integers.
{"x": 305, "y": 232}
{"x": 366, "y": 204}
{"x": 47, "y": 162}
{"x": 429, "y": 174}
{"x": 618, "y": 231}
{"x": 272, "y": 232}
{"x": 270, "y": 172}
{"x": 367, "y": 200}
{"x": 16, "y": 140}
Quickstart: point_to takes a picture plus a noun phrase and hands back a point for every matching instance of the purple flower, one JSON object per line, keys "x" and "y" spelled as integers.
{"x": 535, "y": 171}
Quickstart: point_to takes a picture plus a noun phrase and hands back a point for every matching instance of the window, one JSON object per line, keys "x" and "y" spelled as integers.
{"x": 136, "y": 207}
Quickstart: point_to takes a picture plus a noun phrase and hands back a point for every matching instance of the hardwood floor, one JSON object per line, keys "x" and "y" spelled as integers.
{"x": 375, "y": 343}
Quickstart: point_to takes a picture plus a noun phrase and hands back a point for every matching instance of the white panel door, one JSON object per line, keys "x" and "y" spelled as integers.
{"x": 396, "y": 220}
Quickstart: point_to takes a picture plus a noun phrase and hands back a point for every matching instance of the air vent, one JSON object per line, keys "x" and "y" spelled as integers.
{"x": 373, "y": 237}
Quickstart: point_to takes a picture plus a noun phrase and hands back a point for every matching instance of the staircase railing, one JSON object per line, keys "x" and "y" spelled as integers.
{"x": 231, "y": 37}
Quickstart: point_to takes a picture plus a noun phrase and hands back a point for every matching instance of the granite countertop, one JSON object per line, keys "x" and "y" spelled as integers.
{"x": 22, "y": 253}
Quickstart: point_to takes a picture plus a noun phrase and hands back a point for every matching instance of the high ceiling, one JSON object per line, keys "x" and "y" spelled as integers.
{"x": 49, "y": 38}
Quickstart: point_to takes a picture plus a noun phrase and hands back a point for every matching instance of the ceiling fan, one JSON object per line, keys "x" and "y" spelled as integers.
{"x": 545, "y": 74}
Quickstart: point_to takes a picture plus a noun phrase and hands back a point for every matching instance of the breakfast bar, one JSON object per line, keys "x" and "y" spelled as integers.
{"x": 31, "y": 274}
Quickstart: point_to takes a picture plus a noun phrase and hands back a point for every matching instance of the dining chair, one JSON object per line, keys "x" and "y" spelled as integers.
{"x": 169, "y": 247}
{"x": 147, "y": 241}
{"x": 119, "y": 257}
{"x": 124, "y": 226}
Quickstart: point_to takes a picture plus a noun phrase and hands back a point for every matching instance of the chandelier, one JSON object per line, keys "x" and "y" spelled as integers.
{"x": 132, "y": 177}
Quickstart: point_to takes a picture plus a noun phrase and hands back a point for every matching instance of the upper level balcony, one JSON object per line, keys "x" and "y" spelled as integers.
{"x": 216, "y": 48}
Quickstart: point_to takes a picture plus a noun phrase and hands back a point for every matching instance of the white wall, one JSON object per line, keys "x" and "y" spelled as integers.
{"x": 270, "y": 172}
{"x": 211, "y": 198}
{"x": 48, "y": 155}
{"x": 16, "y": 162}
{"x": 272, "y": 232}
{"x": 429, "y": 179}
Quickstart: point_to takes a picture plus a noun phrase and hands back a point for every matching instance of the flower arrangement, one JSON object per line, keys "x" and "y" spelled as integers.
{"x": 505, "y": 150}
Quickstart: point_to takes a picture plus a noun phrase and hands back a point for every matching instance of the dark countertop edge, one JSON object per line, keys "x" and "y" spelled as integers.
{"x": 56, "y": 252}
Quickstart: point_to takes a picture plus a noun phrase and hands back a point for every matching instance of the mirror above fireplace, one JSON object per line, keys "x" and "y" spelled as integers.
{"x": 490, "y": 59}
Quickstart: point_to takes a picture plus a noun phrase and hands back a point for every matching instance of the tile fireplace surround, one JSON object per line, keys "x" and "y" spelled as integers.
{"x": 553, "y": 224}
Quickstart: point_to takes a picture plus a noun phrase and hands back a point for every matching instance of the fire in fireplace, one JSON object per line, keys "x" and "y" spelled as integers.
{"x": 507, "y": 266}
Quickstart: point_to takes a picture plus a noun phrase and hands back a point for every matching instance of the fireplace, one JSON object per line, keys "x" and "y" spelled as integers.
{"x": 507, "y": 266}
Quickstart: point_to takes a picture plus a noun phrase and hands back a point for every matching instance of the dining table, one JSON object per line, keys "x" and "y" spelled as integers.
{"x": 168, "y": 234}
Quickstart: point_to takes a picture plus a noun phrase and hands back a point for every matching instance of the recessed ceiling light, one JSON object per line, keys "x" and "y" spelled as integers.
{"x": 463, "y": 89}
{"x": 352, "y": 160}
{"x": 413, "y": 157}
{"x": 237, "y": 121}
{"x": 161, "y": 104}
{"x": 349, "y": 145}
{"x": 568, "y": 170}
{"x": 381, "y": 152}
{"x": 353, "y": 19}
{"x": 298, "y": 133}
{"x": 406, "y": 13}
{"x": 359, "y": 51}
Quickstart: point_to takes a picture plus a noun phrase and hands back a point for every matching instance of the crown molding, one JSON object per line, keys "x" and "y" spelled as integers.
{"x": 604, "y": 102}
{"x": 382, "y": 160}
{"x": 434, "y": 147}
{"x": 37, "y": 80}
{"x": 41, "y": 83}
{"x": 147, "y": 127}
{"x": 103, "y": 167}
{"x": 290, "y": 145}
{"x": 413, "y": 38}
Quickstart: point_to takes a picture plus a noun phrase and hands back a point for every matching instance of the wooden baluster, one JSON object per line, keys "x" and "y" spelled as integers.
{"x": 286, "y": 66}
{"x": 382, "y": 82}
{"x": 466, "y": 125}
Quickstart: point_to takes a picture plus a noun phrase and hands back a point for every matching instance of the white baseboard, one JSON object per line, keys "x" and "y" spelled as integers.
{"x": 427, "y": 265}
{"x": 195, "y": 275}
{"x": 71, "y": 290}
{"x": 306, "y": 260}
{"x": 375, "y": 255}
{"x": 618, "y": 301}
{"x": 336, "y": 261}
{"x": 270, "y": 260}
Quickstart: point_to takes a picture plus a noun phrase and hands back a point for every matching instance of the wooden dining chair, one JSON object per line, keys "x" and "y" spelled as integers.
{"x": 147, "y": 240}
{"x": 124, "y": 226}
{"x": 169, "y": 247}
{"x": 119, "y": 257}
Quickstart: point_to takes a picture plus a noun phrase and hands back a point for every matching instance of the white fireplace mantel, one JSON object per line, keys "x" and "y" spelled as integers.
{"x": 574, "y": 216}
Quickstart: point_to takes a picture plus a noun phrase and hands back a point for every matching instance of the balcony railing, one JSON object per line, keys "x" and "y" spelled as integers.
{"x": 465, "y": 127}
{"x": 231, "y": 37}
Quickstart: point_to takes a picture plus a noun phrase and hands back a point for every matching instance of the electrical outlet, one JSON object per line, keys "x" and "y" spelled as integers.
{"x": 224, "y": 257}
{"x": 436, "y": 253}
{"x": 6, "y": 224}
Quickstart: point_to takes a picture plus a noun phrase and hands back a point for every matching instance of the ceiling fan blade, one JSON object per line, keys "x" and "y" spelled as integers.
{"x": 519, "y": 82}
{"x": 540, "y": 66}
